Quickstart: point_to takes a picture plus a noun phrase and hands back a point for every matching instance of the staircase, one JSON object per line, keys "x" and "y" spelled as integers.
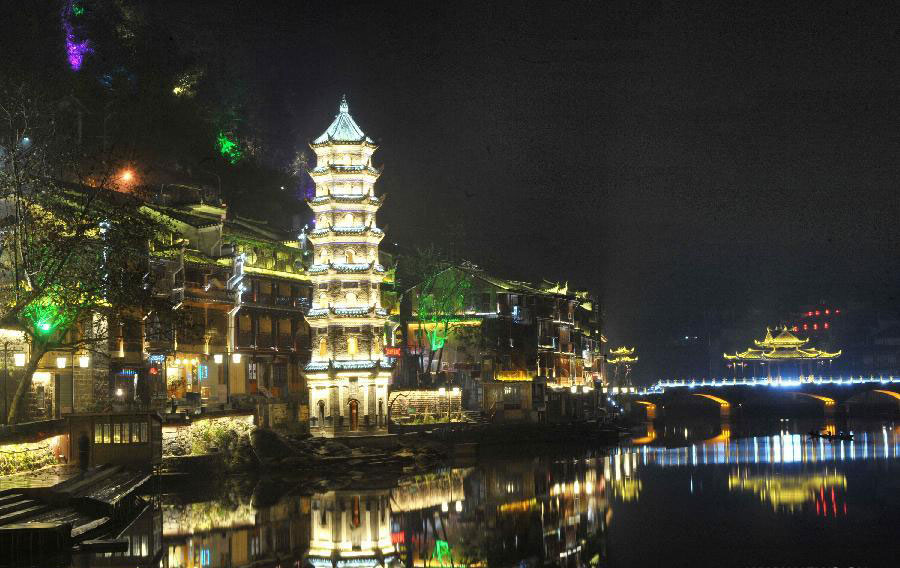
{"x": 15, "y": 506}
{"x": 475, "y": 417}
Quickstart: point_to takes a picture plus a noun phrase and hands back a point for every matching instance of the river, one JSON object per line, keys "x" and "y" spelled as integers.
{"x": 757, "y": 494}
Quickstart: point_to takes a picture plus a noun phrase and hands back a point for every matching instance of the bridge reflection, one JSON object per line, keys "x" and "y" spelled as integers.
{"x": 781, "y": 448}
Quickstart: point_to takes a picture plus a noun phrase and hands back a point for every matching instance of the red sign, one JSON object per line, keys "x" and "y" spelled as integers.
{"x": 393, "y": 351}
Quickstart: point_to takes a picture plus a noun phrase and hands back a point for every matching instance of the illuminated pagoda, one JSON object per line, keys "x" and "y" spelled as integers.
{"x": 781, "y": 351}
{"x": 622, "y": 357}
{"x": 348, "y": 373}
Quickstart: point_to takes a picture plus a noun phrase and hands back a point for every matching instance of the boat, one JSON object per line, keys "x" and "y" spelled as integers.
{"x": 843, "y": 436}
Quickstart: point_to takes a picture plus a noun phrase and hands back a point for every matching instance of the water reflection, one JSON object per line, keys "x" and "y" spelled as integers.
{"x": 792, "y": 492}
{"x": 529, "y": 511}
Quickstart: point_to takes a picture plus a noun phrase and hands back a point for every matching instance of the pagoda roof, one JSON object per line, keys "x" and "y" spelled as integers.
{"x": 784, "y": 339}
{"x": 622, "y": 351}
{"x": 782, "y": 347}
{"x": 344, "y": 128}
{"x": 371, "y": 311}
{"x": 353, "y": 365}
{"x": 363, "y": 198}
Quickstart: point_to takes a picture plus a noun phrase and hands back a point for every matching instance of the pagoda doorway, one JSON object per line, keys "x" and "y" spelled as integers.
{"x": 354, "y": 415}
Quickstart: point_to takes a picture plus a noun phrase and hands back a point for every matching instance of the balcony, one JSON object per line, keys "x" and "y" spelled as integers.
{"x": 264, "y": 340}
{"x": 285, "y": 341}
{"x": 245, "y": 339}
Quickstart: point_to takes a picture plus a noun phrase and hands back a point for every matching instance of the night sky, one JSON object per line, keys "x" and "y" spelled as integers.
{"x": 675, "y": 159}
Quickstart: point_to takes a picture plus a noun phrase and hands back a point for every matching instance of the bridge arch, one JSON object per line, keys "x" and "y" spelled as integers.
{"x": 891, "y": 394}
{"x": 649, "y": 408}
{"x": 724, "y": 405}
{"x": 829, "y": 404}
{"x": 874, "y": 396}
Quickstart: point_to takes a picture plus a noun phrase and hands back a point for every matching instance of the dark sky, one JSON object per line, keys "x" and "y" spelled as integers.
{"x": 674, "y": 157}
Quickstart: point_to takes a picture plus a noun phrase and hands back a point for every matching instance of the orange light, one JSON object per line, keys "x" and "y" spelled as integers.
{"x": 127, "y": 175}
{"x": 815, "y": 326}
{"x": 818, "y": 313}
{"x": 827, "y": 312}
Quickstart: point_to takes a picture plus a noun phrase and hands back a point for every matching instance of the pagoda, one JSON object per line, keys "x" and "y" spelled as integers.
{"x": 783, "y": 350}
{"x": 348, "y": 373}
{"x": 625, "y": 357}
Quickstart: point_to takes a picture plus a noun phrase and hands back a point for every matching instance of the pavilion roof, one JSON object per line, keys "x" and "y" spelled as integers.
{"x": 344, "y": 128}
{"x": 782, "y": 347}
{"x": 784, "y": 339}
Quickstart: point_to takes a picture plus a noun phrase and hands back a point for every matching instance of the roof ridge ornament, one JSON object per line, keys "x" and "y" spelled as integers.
{"x": 344, "y": 108}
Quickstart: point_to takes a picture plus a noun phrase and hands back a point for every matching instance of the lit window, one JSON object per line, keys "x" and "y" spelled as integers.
{"x": 806, "y": 326}
{"x": 815, "y": 326}
{"x": 826, "y": 325}
{"x": 795, "y": 328}
{"x": 809, "y": 314}
{"x": 352, "y": 345}
{"x": 827, "y": 312}
{"x": 818, "y": 313}
{"x": 837, "y": 311}
{"x": 323, "y": 347}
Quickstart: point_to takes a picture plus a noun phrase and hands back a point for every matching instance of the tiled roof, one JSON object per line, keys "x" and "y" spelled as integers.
{"x": 343, "y": 129}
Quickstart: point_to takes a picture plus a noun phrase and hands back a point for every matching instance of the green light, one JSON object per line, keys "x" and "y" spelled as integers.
{"x": 229, "y": 148}
{"x": 45, "y": 315}
{"x": 441, "y": 553}
{"x": 77, "y": 9}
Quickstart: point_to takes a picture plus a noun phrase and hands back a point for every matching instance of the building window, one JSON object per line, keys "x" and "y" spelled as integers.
{"x": 323, "y": 347}
{"x": 351, "y": 298}
{"x": 349, "y": 257}
{"x": 350, "y": 284}
{"x": 352, "y": 345}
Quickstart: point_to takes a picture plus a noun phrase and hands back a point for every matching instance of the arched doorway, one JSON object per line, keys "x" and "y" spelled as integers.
{"x": 354, "y": 415}
{"x": 321, "y": 413}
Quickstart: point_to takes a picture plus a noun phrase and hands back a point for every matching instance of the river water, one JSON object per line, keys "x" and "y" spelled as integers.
{"x": 759, "y": 494}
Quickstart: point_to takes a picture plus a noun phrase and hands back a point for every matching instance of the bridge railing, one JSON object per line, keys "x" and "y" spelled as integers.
{"x": 662, "y": 385}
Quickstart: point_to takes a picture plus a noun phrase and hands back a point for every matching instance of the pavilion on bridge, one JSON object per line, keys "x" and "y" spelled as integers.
{"x": 784, "y": 353}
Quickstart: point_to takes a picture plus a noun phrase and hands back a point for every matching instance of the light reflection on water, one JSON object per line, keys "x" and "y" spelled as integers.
{"x": 636, "y": 505}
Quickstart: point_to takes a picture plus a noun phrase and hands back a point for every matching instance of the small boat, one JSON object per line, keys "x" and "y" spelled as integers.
{"x": 844, "y": 436}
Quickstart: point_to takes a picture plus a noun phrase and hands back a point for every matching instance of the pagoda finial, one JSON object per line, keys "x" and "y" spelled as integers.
{"x": 344, "y": 108}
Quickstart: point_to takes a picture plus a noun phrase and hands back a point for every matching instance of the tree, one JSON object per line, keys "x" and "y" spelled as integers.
{"x": 436, "y": 290}
{"x": 74, "y": 242}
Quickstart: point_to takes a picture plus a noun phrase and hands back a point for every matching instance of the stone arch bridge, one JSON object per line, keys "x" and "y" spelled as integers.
{"x": 830, "y": 394}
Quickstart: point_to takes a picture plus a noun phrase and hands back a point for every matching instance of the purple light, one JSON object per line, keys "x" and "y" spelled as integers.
{"x": 75, "y": 50}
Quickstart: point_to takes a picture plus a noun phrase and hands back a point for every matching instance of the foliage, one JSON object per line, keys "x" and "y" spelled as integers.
{"x": 25, "y": 457}
{"x": 437, "y": 291}
{"x": 74, "y": 245}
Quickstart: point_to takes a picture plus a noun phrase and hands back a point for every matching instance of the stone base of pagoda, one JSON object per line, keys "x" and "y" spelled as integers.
{"x": 344, "y": 406}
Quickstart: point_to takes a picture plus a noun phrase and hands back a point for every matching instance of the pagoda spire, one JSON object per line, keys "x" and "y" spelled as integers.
{"x": 344, "y": 108}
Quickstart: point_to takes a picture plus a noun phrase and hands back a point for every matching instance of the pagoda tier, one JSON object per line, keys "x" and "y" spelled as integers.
{"x": 783, "y": 347}
{"x": 348, "y": 373}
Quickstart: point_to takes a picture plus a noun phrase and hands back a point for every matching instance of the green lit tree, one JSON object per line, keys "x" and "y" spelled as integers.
{"x": 73, "y": 241}
{"x": 436, "y": 291}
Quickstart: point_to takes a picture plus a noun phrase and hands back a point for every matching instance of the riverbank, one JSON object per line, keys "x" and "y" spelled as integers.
{"x": 284, "y": 452}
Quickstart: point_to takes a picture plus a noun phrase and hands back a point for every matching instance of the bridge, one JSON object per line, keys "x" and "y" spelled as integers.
{"x": 830, "y": 393}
